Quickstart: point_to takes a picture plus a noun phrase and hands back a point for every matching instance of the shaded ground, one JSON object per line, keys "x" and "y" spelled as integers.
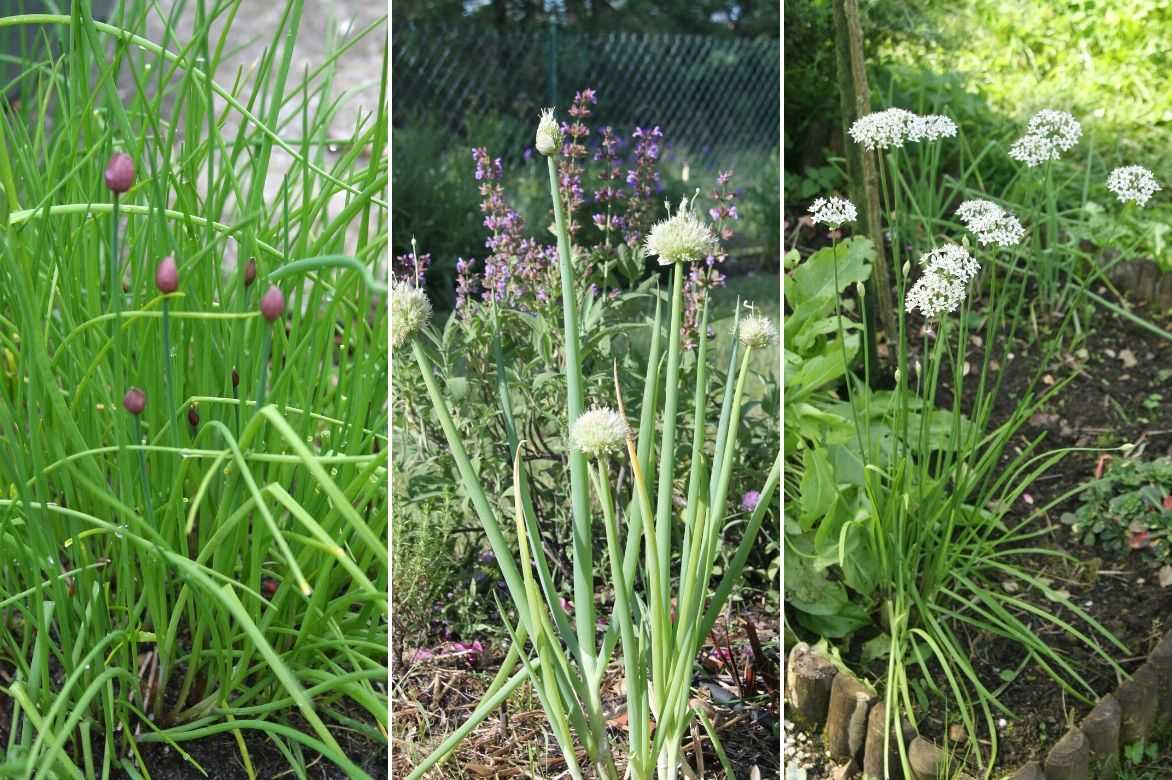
{"x": 1108, "y": 403}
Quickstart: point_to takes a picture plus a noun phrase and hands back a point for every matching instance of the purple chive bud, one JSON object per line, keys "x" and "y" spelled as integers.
{"x": 235, "y": 378}
{"x": 750, "y": 500}
{"x": 250, "y": 272}
{"x": 134, "y": 401}
{"x": 193, "y": 416}
{"x": 167, "y": 275}
{"x": 119, "y": 173}
{"x": 273, "y": 303}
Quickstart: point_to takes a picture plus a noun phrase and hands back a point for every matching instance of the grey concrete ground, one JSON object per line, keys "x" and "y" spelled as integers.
{"x": 325, "y": 26}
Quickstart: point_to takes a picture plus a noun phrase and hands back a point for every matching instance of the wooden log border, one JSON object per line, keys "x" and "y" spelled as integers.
{"x": 852, "y": 721}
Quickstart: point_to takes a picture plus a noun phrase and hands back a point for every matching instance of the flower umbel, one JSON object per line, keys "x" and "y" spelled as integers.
{"x": 1048, "y": 134}
{"x": 833, "y": 211}
{"x": 683, "y": 238}
{"x": 990, "y": 223}
{"x": 943, "y": 285}
{"x": 410, "y": 311}
{"x": 882, "y": 129}
{"x": 756, "y": 332}
{"x": 1133, "y": 183}
{"x": 549, "y": 135}
{"x": 600, "y": 431}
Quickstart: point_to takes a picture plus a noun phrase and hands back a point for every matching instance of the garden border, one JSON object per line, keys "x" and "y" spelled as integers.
{"x": 819, "y": 695}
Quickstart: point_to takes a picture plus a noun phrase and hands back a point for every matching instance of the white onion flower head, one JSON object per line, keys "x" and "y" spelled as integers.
{"x": 932, "y": 127}
{"x": 834, "y": 211}
{"x": 549, "y": 134}
{"x": 944, "y": 283}
{"x": 991, "y": 223}
{"x": 882, "y": 129}
{"x": 756, "y": 332}
{"x": 600, "y": 431}
{"x": 683, "y": 238}
{"x": 1133, "y": 183}
{"x": 410, "y": 311}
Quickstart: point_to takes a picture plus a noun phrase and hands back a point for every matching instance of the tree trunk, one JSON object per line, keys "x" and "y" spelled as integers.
{"x": 862, "y": 166}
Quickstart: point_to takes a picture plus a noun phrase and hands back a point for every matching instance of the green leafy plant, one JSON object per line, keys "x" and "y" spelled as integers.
{"x": 1128, "y": 508}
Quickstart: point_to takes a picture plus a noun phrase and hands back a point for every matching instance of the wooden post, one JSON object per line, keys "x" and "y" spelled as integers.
{"x": 862, "y": 166}
{"x": 809, "y": 678}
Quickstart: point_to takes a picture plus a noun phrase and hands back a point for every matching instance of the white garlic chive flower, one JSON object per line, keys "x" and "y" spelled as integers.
{"x": 549, "y": 134}
{"x": 833, "y": 211}
{"x": 990, "y": 223}
{"x": 683, "y": 238}
{"x": 932, "y": 127}
{"x": 600, "y": 431}
{"x": 410, "y": 311}
{"x": 893, "y": 127}
{"x": 881, "y": 129}
{"x": 1048, "y": 134}
{"x": 756, "y": 332}
{"x": 943, "y": 284}
{"x": 1133, "y": 183}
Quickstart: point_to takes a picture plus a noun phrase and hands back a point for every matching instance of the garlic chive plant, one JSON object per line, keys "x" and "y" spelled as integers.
{"x": 661, "y": 560}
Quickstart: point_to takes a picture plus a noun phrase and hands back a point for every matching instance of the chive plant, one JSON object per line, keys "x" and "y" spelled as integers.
{"x": 661, "y": 560}
{"x": 166, "y": 581}
{"x": 932, "y": 542}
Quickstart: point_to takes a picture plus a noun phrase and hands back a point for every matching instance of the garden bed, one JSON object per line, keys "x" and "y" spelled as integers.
{"x": 738, "y": 690}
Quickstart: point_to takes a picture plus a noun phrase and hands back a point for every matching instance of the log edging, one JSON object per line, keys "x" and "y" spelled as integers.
{"x": 852, "y": 719}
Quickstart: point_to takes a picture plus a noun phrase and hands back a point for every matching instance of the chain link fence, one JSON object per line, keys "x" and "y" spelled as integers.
{"x": 718, "y": 98}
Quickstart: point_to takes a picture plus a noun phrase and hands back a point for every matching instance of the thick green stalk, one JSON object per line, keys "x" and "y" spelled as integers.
{"x": 583, "y": 533}
{"x": 663, "y": 508}
{"x": 638, "y": 748}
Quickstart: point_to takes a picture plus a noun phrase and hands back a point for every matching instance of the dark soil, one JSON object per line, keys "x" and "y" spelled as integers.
{"x": 220, "y": 758}
{"x": 1108, "y": 403}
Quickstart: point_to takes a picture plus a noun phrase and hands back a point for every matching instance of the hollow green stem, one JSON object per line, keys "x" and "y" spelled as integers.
{"x": 142, "y": 469}
{"x": 168, "y": 391}
{"x": 583, "y": 532}
{"x": 266, "y": 353}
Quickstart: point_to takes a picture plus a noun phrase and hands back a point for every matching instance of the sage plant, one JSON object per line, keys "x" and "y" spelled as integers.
{"x": 661, "y": 611}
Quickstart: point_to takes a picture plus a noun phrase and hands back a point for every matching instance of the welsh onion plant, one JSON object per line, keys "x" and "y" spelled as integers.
{"x": 659, "y": 618}
{"x": 180, "y": 562}
{"x": 915, "y": 510}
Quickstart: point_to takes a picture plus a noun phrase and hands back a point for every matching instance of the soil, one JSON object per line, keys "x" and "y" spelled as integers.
{"x": 1109, "y": 402}
{"x": 220, "y": 758}
{"x": 739, "y": 690}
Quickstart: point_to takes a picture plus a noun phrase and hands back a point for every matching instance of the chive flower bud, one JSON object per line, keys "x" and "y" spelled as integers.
{"x": 756, "y": 332}
{"x": 167, "y": 275}
{"x": 683, "y": 238}
{"x": 119, "y": 173}
{"x": 134, "y": 401}
{"x": 272, "y": 304}
{"x": 410, "y": 311}
{"x": 600, "y": 431}
{"x": 549, "y": 134}
{"x": 250, "y": 272}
